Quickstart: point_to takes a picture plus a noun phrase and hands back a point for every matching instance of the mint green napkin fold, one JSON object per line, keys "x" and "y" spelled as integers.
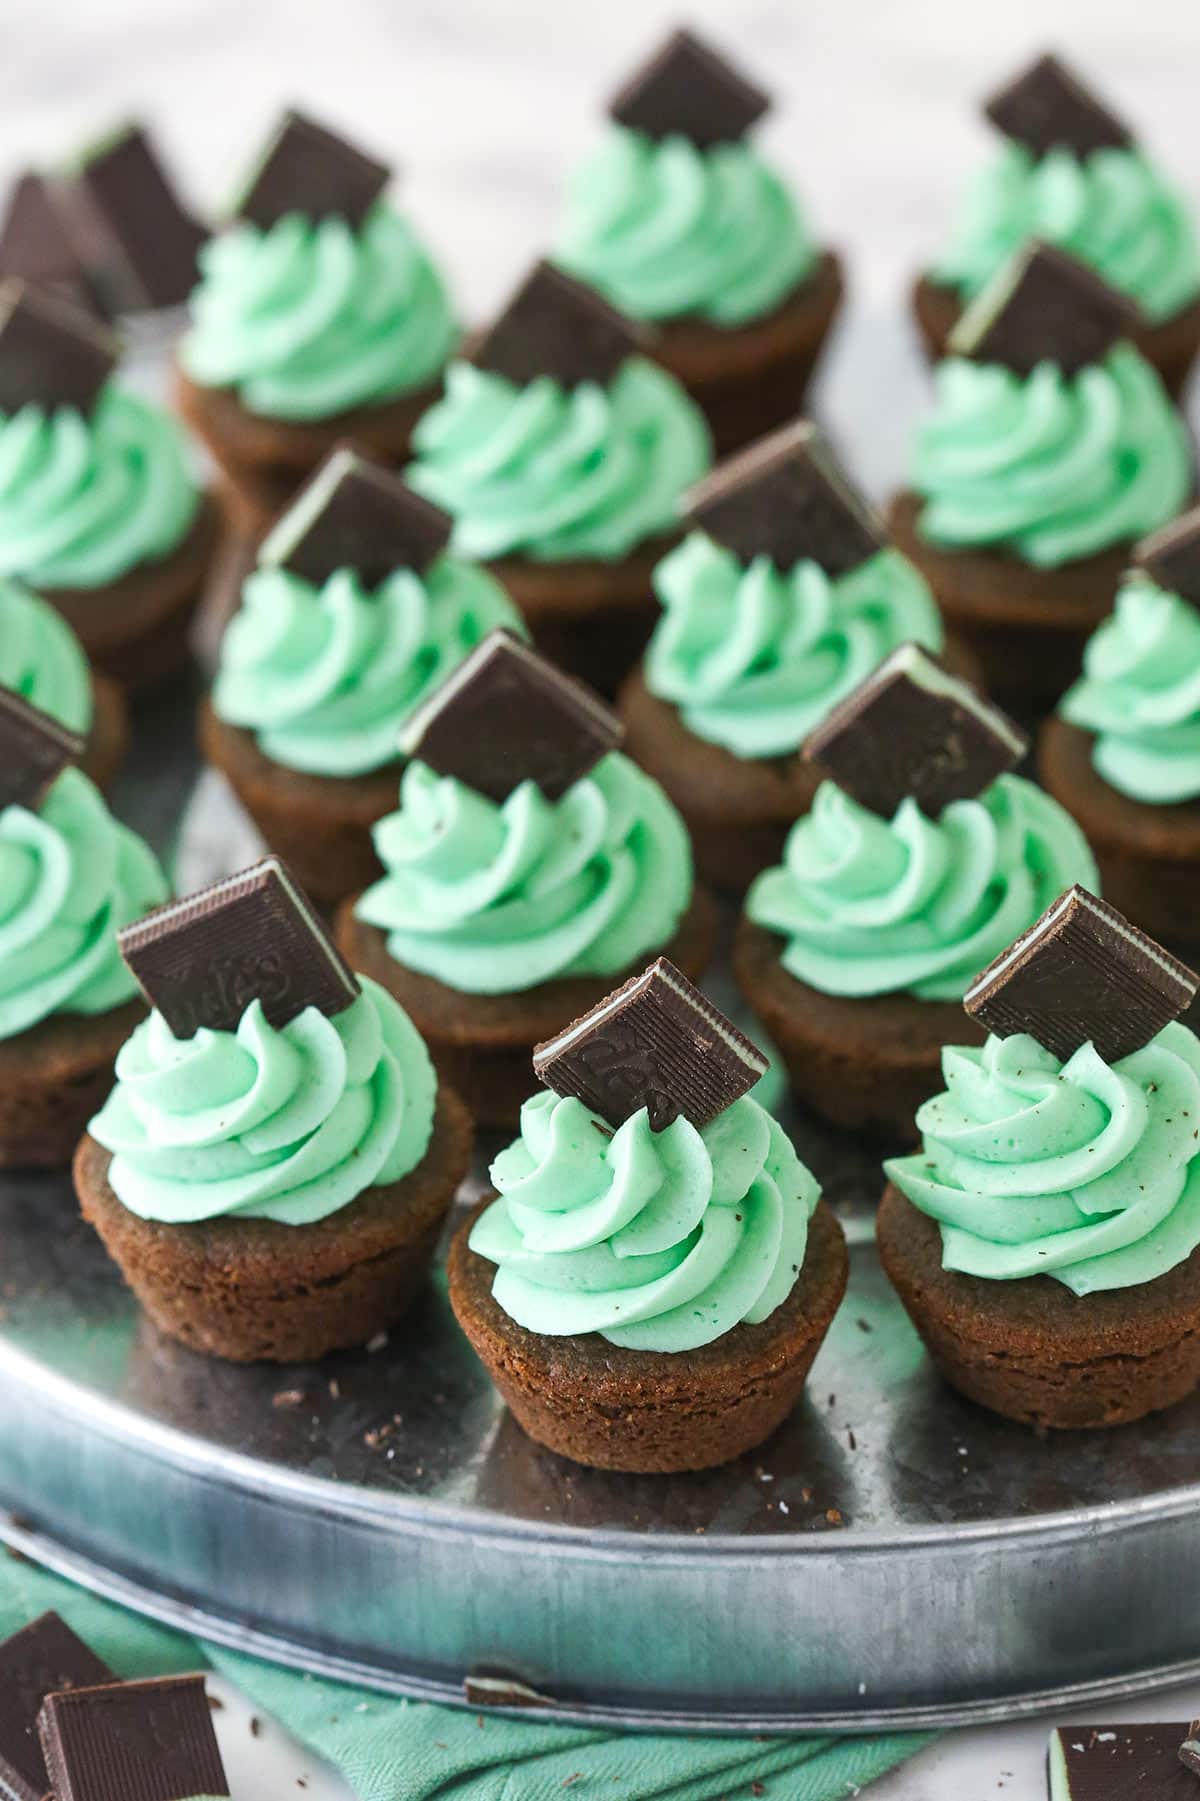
{"x": 393, "y": 1750}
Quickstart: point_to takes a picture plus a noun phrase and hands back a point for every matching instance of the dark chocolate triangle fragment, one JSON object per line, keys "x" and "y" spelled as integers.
{"x": 355, "y": 514}
{"x": 34, "y": 751}
{"x": 148, "y": 241}
{"x": 687, "y": 89}
{"x": 133, "y": 1741}
{"x": 557, "y": 326}
{"x": 788, "y": 498}
{"x": 1045, "y": 307}
{"x": 1082, "y": 973}
{"x": 310, "y": 170}
{"x": 52, "y": 354}
{"x": 45, "y": 1657}
{"x": 1171, "y": 556}
{"x": 1048, "y": 107}
{"x": 36, "y": 244}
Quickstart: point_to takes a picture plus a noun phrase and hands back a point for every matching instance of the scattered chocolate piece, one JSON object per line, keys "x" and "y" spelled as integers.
{"x": 554, "y": 325}
{"x": 35, "y": 243}
{"x": 1081, "y": 973}
{"x": 1045, "y": 307}
{"x": 688, "y": 90}
{"x": 34, "y": 751}
{"x": 787, "y": 497}
{"x": 52, "y": 353}
{"x": 354, "y": 514}
{"x": 502, "y": 1691}
{"x": 912, "y": 729}
{"x": 1048, "y": 107}
{"x": 132, "y": 1741}
{"x": 150, "y": 240}
{"x": 1111, "y": 1763}
{"x": 1189, "y": 1751}
{"x": 1171, "y": 557}
{"x": 657, "y": 1043}
{"x": 254, "y": 936}
{"x": 44, "y": 1657}
{"x": 310, "y": 170}
{"x": 507, "y": 716}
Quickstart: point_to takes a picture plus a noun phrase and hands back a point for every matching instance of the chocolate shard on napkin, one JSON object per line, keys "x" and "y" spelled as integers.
{"x": 355, "y": 514}
{"x": 788, "y": 498}
{"x": 253, "y": 936}
{"x": 45, "y": 1657}
{"x": 52, "y": 354}
{"x": 36, "y": 244}
{"x": 689, "y": 90}
{"x": 1171, "y": 557}
{"x": 310, "y": 170}
{"x": 1048, "y": 107}
{"x": 1081, "y": 973}
{"x": 34, "y": 751}
{"x": 1045, "y": 307}
{"x": 147, "y": 240}
{"x": 557, "y": 326}
{"x": 1119, "y": 1763}
{"x": 657, "y": 1043}
{"x": 912, "y": 729}
{"x": 132, "y": 1741}
{"x": 507, "y": 716}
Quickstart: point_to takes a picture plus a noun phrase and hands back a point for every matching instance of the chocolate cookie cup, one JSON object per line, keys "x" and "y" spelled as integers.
{"x": 107, "y": 742}
{"x": 53, "y": 1076}
{"x": 42, "y": 660}
{"x": 593, "y": 620}
{"x": 346, "y": 1155}
{"x": 676, "y": 1364}
{"x": 1044, "y": 1239}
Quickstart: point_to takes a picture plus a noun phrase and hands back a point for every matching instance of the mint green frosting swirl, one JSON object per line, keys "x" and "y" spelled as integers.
{"x": 1049, "y": 466}
{"x": 754, "y": 657}
{"x": 552, "y": 473}
{"x": 495, "y": 899}
{"x": 659, "y": 1241}
{"x": 916, "y": 905}
{"x": 42, "y": 660}
{"x": 1140, "y": 695}
{"x": 85, "y": 499}
{"x": 289, "y": 1124}
{"x": 71, "y": 876}
{"x": 1114, "y": 210}
{"x": 1083, "y": 1171}
{"x": 324, "y": 677}
{"x": 664, "y": 228}
{"x": 312, "y": 318}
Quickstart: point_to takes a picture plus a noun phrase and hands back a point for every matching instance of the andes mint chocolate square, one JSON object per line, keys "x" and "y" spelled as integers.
{"x": 310, "y": 170}
{"x": 1048, "y": 107}
{"x": 43, "y": 1658}
{"x": 152, "y": 241}
{"x": 1046, "y": 307}
{"x": 555, "y": 325}
{"x": 1189, "y": 1751}
{"x": 35, "y": 243}
{"x": 912, "y": 729}
{"x": 132, "y": 1741}
{"x": 1119, "y": 1763}
{"x": 252, "y": 937}
{"x": 34, "y": 751}
{"x": 1171, "y": 557}
{"x": 788, "y": 498}
{"x": 52, "y": 354}
{"x": 1081, "y": 973}
{"x": 354, "y": 514}
{"x": 656, "y": 1043}
{"x": 689, "y": 90}
{"x": 506, "y": 716}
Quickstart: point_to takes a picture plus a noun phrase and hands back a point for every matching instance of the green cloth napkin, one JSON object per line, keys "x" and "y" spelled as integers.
{"x": 392, "y": 1750}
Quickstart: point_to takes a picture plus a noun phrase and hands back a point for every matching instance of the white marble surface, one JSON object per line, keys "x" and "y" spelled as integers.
{"x": 481, "y": 102}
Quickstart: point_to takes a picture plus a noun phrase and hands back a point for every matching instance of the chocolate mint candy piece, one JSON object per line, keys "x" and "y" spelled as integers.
{"x": 655, "y": 1043}
{"x": 788, "y": 498}
{"x": 34, "y": 751}
{"x": 150, "y": 241}
{"x": 45, "y": 1657}
{"x": 1118, "y": 1763}
{"x": 912, "y": 729}
{"x": 1171, "y": 557}
{"x": 506, "y": 716}
{"x": 689, "y": 90}
{"x": 35, "y": 243}
{"x": 354, "y": 514}
{"x": 1048, "y": 107}
{"x": 52, "y": 354}
{"x": 132, "y": 1741}
{"x": 1045, "y": 307}
{"x": 1189, "y": 1751}
{"x": 555, "y": 325}
{"x": 1081, "y": 973}
{"x": 252, "y": 937}
{"x": 307, "y": 169}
